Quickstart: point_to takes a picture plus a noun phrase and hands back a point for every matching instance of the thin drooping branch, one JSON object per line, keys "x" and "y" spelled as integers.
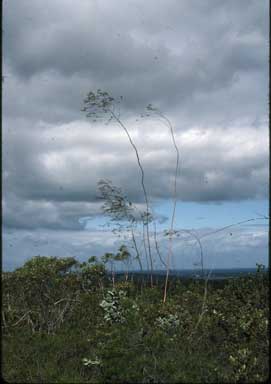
{"x": 233, "y": 225}
{"x": 200, "y": 246}
{"x": 199, "y": 238}
{"x": 206, "y": 279}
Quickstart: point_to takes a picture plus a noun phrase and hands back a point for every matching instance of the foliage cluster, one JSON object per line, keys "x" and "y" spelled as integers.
{"x": 63, "y": 322}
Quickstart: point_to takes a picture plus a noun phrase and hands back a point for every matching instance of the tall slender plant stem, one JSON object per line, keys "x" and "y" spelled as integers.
{"x": 145, "y": 246}
{"x": 136, "y": 249}
{"x": 142, "y": 184}
{"x": 170, "y": 253}
{"x": 156, "y": 245}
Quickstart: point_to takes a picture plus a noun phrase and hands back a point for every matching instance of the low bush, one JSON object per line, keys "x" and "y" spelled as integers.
{"x": 65, "y": 323}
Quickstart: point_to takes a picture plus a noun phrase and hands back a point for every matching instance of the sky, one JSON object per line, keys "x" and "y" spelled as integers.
{"x": 204, "y": 65}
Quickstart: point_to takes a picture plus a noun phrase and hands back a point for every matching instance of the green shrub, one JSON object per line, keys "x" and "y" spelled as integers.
{"x": 63, "y": 323}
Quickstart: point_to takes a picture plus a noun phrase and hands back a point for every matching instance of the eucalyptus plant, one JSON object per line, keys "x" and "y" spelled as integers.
{"x": 100, "y": 105}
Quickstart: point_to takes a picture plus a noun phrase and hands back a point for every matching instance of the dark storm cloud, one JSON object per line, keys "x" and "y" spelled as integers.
{"x": 168, "y": 59}
{"x": 33, "y": 214}
{"x": 203, "y": 63}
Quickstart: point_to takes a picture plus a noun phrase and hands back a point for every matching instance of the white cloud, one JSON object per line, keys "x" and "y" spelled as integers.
{"x": 205, "y": 65}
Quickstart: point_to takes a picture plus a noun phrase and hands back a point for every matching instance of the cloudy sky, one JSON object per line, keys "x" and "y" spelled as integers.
{"x": 204, "y": 64}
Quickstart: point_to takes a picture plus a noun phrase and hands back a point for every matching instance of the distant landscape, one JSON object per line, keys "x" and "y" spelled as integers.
{"x": 218, "y": 273}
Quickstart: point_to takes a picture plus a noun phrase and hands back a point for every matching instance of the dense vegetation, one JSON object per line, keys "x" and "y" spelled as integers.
{"x": 63, "y": 322}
